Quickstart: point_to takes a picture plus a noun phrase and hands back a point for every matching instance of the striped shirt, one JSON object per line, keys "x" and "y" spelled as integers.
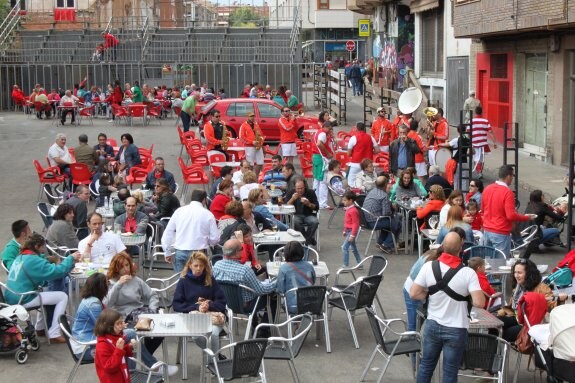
{"x": 480, "y": 128}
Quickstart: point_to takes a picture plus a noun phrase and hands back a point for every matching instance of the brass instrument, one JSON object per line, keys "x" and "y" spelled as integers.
{"x": 259, "y": 138}
{"x": 225, "y": 137}
{"x": 430, "y": 113}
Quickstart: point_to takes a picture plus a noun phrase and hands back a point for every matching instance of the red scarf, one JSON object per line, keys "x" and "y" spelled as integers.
{"x": 450, "y": 260}
{"x": 158, "y": 174}
{"x": 28, "y": 252}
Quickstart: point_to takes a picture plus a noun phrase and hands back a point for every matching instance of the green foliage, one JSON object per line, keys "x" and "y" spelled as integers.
{"x": 246, "y": 17}
{"x": 4, "y": 8}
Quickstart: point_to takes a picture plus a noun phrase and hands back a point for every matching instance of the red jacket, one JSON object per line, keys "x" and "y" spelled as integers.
{"x": 535, "y": 307}
{"x": 351, "y": 220}
{"x": 218, "y": 205}
{"x": 498, "y": 207}
{"x": 110, "y": 361}
{"x": 477, "y": 223}
{"x": 485, "y": 285}
{"x": 110, "y": 40}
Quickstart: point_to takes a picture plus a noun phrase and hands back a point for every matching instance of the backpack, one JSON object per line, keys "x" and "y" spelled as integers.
{"x": 560, "y": 278}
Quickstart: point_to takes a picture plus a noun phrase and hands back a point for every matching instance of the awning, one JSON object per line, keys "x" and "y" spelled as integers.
{"x": 423, "y": 5}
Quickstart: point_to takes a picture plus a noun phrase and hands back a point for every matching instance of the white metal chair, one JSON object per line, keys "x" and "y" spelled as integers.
{"x": 67, "y": 333}
{"x": 164, "y": 290}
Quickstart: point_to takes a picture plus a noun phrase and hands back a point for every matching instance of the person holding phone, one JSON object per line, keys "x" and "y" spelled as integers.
{"x": 305, "y": 218}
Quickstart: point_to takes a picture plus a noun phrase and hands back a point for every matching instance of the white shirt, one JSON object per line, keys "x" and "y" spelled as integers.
{"x": 246, "y": 189}
{"x": 192, "y": 227}
{"x": 443, "y": 309}
{"x": 238, "y": 177}
{"x": 443, "y": 215}
{"x": 351, "y": 144}
{"x": 108, "y": 245}
{"x": 56, "y": 151}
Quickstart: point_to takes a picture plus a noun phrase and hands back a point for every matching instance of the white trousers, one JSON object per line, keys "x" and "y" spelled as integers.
{"x": 320, "y": 188}
{"x": 354, "y": 170}
{"x": 57, "y": 299}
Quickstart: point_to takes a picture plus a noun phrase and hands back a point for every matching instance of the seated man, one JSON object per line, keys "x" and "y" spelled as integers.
{"x": 59, "y": 155}
{"x": 306, "y": 206}
{"x": 166, "y": 202}
{"x": 21, "y": 232}
{"x": 79, "y": 202}
{"x": 103, "y": 150}
{"x": 377, "y": 202}
{"x": 231, "y": 270}
{"x": 160, "y": 172}
{"x": 132, "y": 221}
{"x": 100, "y": 246}
{"x": 42, "y": 98}
{"x": 238, "y": 176}
{"x": 275, "y": 173}
{"x": 67, "y": 100}
{"x": 84, "y": 153}
{"x": 290, "y": 176}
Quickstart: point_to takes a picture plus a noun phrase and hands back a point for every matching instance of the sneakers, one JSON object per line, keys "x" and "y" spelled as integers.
{"x": 110, "y": 120}
{"x": 222, "y": 357}
{"x": 384, "y": 248}
{"x": 172, "y": 370}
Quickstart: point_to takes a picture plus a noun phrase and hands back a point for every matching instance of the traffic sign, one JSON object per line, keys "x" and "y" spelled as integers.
{"x": 350, "y": 45}
{"x": 363, "y": 27}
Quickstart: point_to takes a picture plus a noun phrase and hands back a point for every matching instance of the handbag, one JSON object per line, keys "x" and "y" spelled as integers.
{"x": 218, "y": 319}
{"x": 144, "y": 324}
{"x": 134, "y": 316}
{"x": 523, "y": 342}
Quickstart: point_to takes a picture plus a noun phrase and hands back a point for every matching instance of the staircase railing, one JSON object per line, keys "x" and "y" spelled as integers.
{"x": 294, "y": 35}
{"x": 8, "y": 25}
{"x": 145, "y": 36}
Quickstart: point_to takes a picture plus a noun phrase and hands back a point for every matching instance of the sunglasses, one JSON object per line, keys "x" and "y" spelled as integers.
{"x": 521, "y": 261}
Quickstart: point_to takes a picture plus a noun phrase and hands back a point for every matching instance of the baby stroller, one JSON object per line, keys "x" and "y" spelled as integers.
{"x": 14, "y": 339}
{"x": 558, "y": 359}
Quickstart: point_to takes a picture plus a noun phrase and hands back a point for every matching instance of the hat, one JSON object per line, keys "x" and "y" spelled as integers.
{"x": 380, "y": 109}
{"x": 251, "y": 114}
{"x": 472, "y": 93}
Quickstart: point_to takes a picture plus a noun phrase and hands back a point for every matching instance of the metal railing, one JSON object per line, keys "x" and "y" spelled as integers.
{"x": 8, "y": 25}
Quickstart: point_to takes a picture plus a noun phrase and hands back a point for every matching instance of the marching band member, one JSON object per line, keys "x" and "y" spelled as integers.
{"x": 360, "y": 146}
{"x": 253, "y": 140}
{"x": 214, "y": 132}
{"x": 323, "y": 151}
{"x": 382, "y": 130}
{"x": 439, "y": 134}
{"x": 288, "y": 134}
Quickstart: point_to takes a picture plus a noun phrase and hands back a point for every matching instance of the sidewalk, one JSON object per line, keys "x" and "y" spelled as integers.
{"x": 533, "y": 174}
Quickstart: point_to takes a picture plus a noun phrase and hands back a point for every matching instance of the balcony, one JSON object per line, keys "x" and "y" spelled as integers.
{"x": 364, "y": 7}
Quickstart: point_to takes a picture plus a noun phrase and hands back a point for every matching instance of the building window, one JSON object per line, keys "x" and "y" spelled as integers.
{"x": 432, "y": 42}
{"x": 322, "y": 4}
{"x": 498, "y": 63}
{"x": 65, "y": 4}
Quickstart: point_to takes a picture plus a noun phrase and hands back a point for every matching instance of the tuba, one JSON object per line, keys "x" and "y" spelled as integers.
{"x": 259, "y": 138}
{"x": 225, "y": 136}
{"x": 430, "y": 113}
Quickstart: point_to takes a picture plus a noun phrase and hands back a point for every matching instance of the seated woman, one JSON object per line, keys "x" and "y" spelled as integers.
{"x": 61, "y": 232}
{"x": 250, "y": 182}
{"x": 526, "y": 278}
{"x": 475, "y": 190}
{"x": 335, "y": 179}
{"x": 434, "y": 204}
{"x": 294, "y": 273}
{"x": 234, "y": 212}
{"x": 146, "y": 206}
{"x": 545, "y": 214}
{"x": 454, "y": 199}
{"x": 256, "y": 197}
{"x": 129, "y": 293}
{"x": 455, "y": 219}
{"x": 365, "y": 179}
{"x": 407, "y": 187}
{"x": 128, "y": 154}
{"x": 244, "y": 235}
{"x": 197, "y": 290}
{"x": 30, "y": 270}
{"x": 166, "y": 201}
{"x": 223, "y": 196}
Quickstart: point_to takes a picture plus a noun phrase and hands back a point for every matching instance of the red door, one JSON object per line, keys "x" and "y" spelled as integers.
{"x": 495, "y": 89}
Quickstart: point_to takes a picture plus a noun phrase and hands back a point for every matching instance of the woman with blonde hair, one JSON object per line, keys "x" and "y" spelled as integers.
{"x": 455, "y": 219}
{"x": 197, "y": 290}
{"x": 250, "y": 183}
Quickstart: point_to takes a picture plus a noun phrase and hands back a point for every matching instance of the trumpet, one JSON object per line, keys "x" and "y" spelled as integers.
{"x": 430, "y": 114}
{"x": 225, "y": 137}
{"x": 258, "y": 137}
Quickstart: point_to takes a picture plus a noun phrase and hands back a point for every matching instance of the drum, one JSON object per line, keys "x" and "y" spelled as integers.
{"x": 441, "y": 157}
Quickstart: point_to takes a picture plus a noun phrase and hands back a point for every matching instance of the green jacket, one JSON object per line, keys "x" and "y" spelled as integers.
{"x": 38, "y": 270}
{"x": 137, "y": 95}
{"x": 10, "y": 252}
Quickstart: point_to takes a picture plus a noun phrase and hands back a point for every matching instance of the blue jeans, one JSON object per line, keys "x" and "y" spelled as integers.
{"x": 384, "y": 236}
{"x": 180, "y": 259}
{"x": 345, "y": 249}
{"x": 411, "y": 307}
{"x": 499, "y": 241}
{"x": 437, "y": 338}
{"x": 60, "y": 284}
{"x": 549, "y": 233}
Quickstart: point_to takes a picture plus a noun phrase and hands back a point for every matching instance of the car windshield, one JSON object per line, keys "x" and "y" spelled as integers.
{"x": 206, "y": 108}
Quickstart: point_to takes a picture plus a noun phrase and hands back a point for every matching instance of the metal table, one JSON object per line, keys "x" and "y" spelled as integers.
{"x": 406, "y": 207}
{"x": 278, "y": 238}
{"x": 321, "y": 269}
{"x": 483, "y": 320}
{"x": 179, "y": 325}
{"x": 285, "y": 212}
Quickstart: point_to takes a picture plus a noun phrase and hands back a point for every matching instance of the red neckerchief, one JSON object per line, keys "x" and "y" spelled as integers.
{"x": 158, "y": 174}
{"x": 28, "y": 252}
{"x": 450, "y": 260}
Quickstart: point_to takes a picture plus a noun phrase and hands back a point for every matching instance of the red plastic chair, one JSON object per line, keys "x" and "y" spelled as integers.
{"x": 265, "y": 168}
{"x": 177, "y": 110}
{"x": 49, "y": 175}
{"x": 192, "y": 175}
{"x": 343, "y": 159}
{"x": 119, "y": 113}
{"x": 72, "y": 154}
{"x": 146, "y": 152}
{"x": 155, "y": 112}
{"x": 197, "y": 156}
{"x": 189, "y": 135}
{"x": 381, "y": 161}
{"x": 136, "y": 175}
{"x": 88, "y": 113}
{"x": 306, "y": 167}
{"x": 81, "y": 174}
{"x": 40, "y": 107}
{"x": 137, "y": 110}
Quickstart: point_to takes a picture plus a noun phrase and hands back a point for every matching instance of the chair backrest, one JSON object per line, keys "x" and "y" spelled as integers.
{"x": 45, "y": 214}
{"x": 234, "y": 299}
{"x": 67, "y": 333}
{"x": 53, "y": 198}
{"x": 481, "y": 353}
{"x": 310, "y": 299}
{"x": 80, "y": 172}
{"x": 247, "y": 357}
{"x": 375, "y": 327}
{"x": 38, "y": 167}
{"x": 366, "y": 291}
{"x": 377, "y": 265}
{"x": 485, "y": 252}
{"x": 362, "y": 216}
{"x": 2, "y": 299}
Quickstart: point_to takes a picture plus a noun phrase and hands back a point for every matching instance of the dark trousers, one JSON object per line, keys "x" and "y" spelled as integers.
{"x": 186, "y": 119}
{"x": 65, "y": 112}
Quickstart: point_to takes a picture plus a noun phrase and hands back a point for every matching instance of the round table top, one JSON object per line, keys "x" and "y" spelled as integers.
{"x": 236, "y": 148}
{"x": 233, "y": 164}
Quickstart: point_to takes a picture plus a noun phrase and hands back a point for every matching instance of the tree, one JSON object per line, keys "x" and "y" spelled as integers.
{"x": 245, "y": 17}
{"x": 4, "y": 8}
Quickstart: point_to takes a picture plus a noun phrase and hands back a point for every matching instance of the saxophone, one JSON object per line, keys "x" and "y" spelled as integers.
{"x": 225, "y": 137}
{"x": 259, "y": 138}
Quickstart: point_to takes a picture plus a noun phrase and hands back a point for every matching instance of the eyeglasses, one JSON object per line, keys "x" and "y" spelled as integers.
{"x": 521, "y": 261}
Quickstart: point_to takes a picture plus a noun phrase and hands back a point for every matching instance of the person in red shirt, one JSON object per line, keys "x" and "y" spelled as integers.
{"x": 434, "y": 204}
{"x": 478, "y": 264}
{"x": 243, "y": 234}
{"x": 420, "y": 165}
{"x": 111, "y": 44}
{"x": 361, "y": 146}
{"x": 18, "y": 96}
{"x": 381, "y": 130}
{"x": 350, "y": 228}
{"x": 288, "y": 134}
{"x": 498, "y": 207}
{"x": 439, "y": 135}
{"x": 223, "y": 196}
{"x": 112, "y": 350}
{"x": 249, "y": 130}
{"x": 214, "y": 131}
{"x": 400, "y": 119}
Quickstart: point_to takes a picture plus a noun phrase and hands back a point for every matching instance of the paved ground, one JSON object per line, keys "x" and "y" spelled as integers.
{"x": 22, "y": 140}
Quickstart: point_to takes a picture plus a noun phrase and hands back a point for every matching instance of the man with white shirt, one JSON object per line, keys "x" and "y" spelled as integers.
{"x": 450, "y": 289}
{"x": 68, "y": 100}
{"x": 59, "y": 155}
{"x": 191, "y": 228}
{"x": 360, "y": 146}
{"x": 100, "y": 246}
{"x": 238, "y": 176}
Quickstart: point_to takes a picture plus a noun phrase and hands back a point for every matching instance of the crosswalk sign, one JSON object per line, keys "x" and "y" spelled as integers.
{"x": 364, "y": 27}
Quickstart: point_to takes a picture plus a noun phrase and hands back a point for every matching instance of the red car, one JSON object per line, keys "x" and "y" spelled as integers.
{"x": 234, "y": 112}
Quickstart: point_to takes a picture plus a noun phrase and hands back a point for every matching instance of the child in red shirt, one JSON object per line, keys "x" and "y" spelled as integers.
{"x": 473, "y": 212}
{"x": 478, "y": 264}
{"x": 350, "y": 228}
{"x": 112, "y": 351}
